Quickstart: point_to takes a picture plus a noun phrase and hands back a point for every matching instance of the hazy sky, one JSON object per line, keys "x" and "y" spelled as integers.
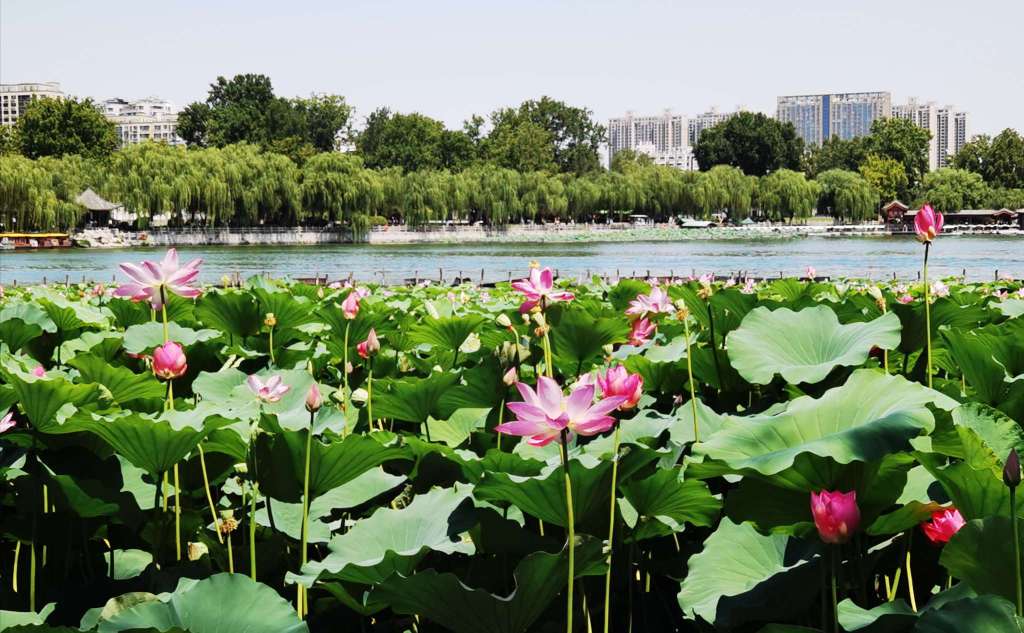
{"x": 450, "y": 59}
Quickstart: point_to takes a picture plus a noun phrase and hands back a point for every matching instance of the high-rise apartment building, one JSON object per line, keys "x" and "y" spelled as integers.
{"x": 843, "y": 115}
{"x": 663, "y": 137}
{"x": 149, "y": 119}
{"x": 947, "y": 126}
{"x": 14, "y": 98}
{"x": 697, "y": 124}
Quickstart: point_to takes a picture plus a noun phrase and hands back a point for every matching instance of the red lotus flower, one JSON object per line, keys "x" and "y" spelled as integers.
{"x": 543, "y": 414}
{"x": 149, "y": 278}
{"x": 617, "y": 381}
{"x": 169, "y": 361}
{"x": 927, "y": 223}
{"x": 539, "y": 285}
{"x": 836, "y": 515}
{"x": 943, "y": 525}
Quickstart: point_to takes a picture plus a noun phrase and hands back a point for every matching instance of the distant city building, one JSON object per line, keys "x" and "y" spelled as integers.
{"x": 14, "y": 98}
{"x": 844, "y": 115}
{"x": 663, "y": 137}
{"x": 697, "y": 124}
{"x": 149, "y": 119}
{"x": 947, "y": 126}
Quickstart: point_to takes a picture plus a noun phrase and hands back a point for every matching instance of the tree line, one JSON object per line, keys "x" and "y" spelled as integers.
{"x": 256, "y": 158}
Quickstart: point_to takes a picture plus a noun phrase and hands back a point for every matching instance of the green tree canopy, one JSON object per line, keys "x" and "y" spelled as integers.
{"x": 412, "y": 142}
{"x": 836, "y": 153}
{"x": 575, "y": 138}
{"x": 902, "y": 141}
{"x": 886, "y": 175}
{"x": 950, "y": 190}
{"x": 999, "y": 160}
{"x": 754, "y": 142}
{"x": 846, "y": 196}
{"x": 787, "y": 194}
{"x": 56, "y": 127}
{"x": 626, "y": 159}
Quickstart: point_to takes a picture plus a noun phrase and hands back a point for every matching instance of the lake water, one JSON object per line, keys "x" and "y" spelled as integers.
{"x": 870, "y": 257}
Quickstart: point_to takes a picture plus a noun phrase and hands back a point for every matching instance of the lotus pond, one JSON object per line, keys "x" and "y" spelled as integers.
{"x": 666, "y": 455}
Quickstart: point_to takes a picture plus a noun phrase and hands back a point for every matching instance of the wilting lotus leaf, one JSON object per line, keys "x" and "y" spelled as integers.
{"x": 804, "y": 346}
{"x": 742, "y": 575}
{"x": 222, "y": 602}
{"x": 391, "y": 541}
{"x": 872, "y": 415}
{"x": 539, "y": 578}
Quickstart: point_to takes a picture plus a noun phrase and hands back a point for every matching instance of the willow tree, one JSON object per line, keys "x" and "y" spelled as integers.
{"x": 787, "y": 194}
{"x": 151, "y": 179}
{"x": 39, "y": 194}
{"x": 337, "y": 188}
{"x": 726, "y": 189}
{"x": 542, "y": 196}
{"x": 583, "y": 197}
{"x": 424, "y": 197}
{"x": 494, "y": 194}
{"x": 846, "y": 196}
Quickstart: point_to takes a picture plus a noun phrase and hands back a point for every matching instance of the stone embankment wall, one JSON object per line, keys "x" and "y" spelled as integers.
{"x": 244, "y": 237}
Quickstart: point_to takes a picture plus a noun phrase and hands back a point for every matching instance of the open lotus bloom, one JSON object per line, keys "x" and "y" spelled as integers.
{"x": 836, "y": 515}
{"x": 617, "y": 381}
{"x": 539, "y": 285}
{"x": 7, "y": 422}
{"x": 149, "y": 278}
{"x": 641, "y": 331}
{"x": 927, "y": 223}
{"x": 653, "y": 303}
{"x": 270, "y": 391}
{"x": 169, "y": 361}
{"x": 943, "y": 525}
{"x": 545, "y": 413}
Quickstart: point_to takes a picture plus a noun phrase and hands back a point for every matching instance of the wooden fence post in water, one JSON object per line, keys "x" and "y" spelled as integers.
{"x": 997, "y": 275}
{"x": 481, "y": 275}
{"x": 440, "y": 275}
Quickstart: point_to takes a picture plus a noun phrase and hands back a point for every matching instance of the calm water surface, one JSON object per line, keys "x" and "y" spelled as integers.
{"x": 873, "y": 257}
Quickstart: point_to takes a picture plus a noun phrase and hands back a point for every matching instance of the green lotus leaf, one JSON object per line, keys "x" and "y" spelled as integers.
{"x": 984, "y": 614}
{"x": 946, "y": 313}
{"x": 68, "y": 315}
{"x": 978, "y": 555}
{"x": 579, "y": 338}
{"x": 234, "y": 313}
{"x": 742, "y": 575}
{"x": 411, "y": 399}
{"x": 539, "y": 578}
{"x": 22, "y": 322}
{"x": 392, "y": 541}
{"x": 123, "y": 384}
{"x": 872, "y": 415}
{"x": 12, "y": 619}
{"x": 49, "y": 402}
{"x": 458, "y": 427}
{"x": 445, "y": 333}
{"x": 222, "y": 602}
{"x": 664, "y": 502}
{"x": 804, "y": 346}
{"x": 895, "y": 616}
{"x": 128, "y": 563}
{"x": 105, "y": 345}
{"x": 1012, "y": 308}
{"x": 141, "y": 339}
{"x": 991, "y": 358}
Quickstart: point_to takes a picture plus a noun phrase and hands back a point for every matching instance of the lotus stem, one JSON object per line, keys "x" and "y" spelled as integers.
{"x": 209, "y": 496}
{"x": 46, "y": 510}
{"x": 547, "y": 353}
{"x": 1016, "y": 549}
{"x": 344, "y": 368}
{"x": 611, "y": 529}
{"x": 177, "y": 483}
{"x": 231, "y": 557}
{"x": 270, "y": 345}
{"x": 885, "y": 352}
{"x": 927, "y": 317}
{"x": 501, "y": 418}
{"x": 714, "y": 352}
{"x": 252, "y": 531}
{"x": 14, "y": 569}
{"x": 32, "y": 573}
{"x": 910, "y": 583}
{"x": 369, "y": 397}
{"x": 689, "y": 378}
{"x": 835, "y": 594}
{"x": 570, "y": 524}
{"x": 305, "y": 510}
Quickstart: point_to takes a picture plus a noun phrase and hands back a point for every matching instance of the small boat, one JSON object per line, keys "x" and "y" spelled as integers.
{"x": 10, "y": 241}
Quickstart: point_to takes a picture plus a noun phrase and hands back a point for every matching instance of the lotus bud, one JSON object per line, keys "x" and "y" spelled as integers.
{"x": 836, "y": 515}
{"x": 1011, "y": 471}
{"x": 197, "y": 550}
{"x": 350, "y": 306}
{"x": 169, "y": 361}
{"x": 504, "y": 321}
{"x": 471, "y": 344}
{"x": 360, "y": 395}
{"x": 225, "y": 281}
{"x": 314, "y": 400}
{"x": 608, "y": 349}
{"x": 370, "y": 346}
{"x": 270, "y": 320}
{"x": 538, "y": 318}
{"x": 511, "y": 377}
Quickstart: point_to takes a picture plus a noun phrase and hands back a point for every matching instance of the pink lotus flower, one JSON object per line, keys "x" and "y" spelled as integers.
{"x": 314, "y": 400}
{"x": 271, "y": 391}
{"x": 169, "y": 361}
{"x": 511, "y": 377}
{"x": 539, "y": 286}
{"x": 943, "y": 525}
{"x": 542, "y": 415}
{"x": 38, "y": 371}
{"x": 370, "y": 346}
{"x": 641, "y": 331}
{"x": 617, "y": 381}
{"x": 927, "y": 223}
{"x": 905, "y": 299}
{"x": 654, "y": 303}
{"x": 749, "y": 287}
{"x": 810, "y": 273}
{"x": 350, "y": 306}
{"x": 836, "y": 515}
{"x": 7, "y": 422}
{"x": 940, "y": 289}
{"x": 150, "y": 277}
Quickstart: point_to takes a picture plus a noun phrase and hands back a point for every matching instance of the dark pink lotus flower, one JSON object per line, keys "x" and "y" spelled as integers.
{"x": 150, "y": 277}
{"x": 7, "y": 422}
{"x": 927, "y": 223}
{"x": 641, "y": 331}
{"x": 943, "y": 525}
{"x": 617, "y": 381}
{"x": 653, "y": 303}
{"x": 836, "y": 515}
{"x": 169, "y": 361}
{"x": 270, "y": 391}
{"x": 370, "y": 346}
{"x": 539, "y": 285}
{"x": 542, "y": 415}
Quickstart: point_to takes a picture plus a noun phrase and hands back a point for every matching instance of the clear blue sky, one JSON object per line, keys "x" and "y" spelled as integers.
{"x": 450, "y": 59}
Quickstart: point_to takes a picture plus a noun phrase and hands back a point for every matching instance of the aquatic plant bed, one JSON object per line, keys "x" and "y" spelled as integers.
{"x": 784, "y": 456}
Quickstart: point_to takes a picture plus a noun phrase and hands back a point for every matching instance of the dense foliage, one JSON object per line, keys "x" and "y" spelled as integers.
{"x": 754, "y": 142}
{"x": 177, "y": 468}
{"x": 49, "y": 127}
